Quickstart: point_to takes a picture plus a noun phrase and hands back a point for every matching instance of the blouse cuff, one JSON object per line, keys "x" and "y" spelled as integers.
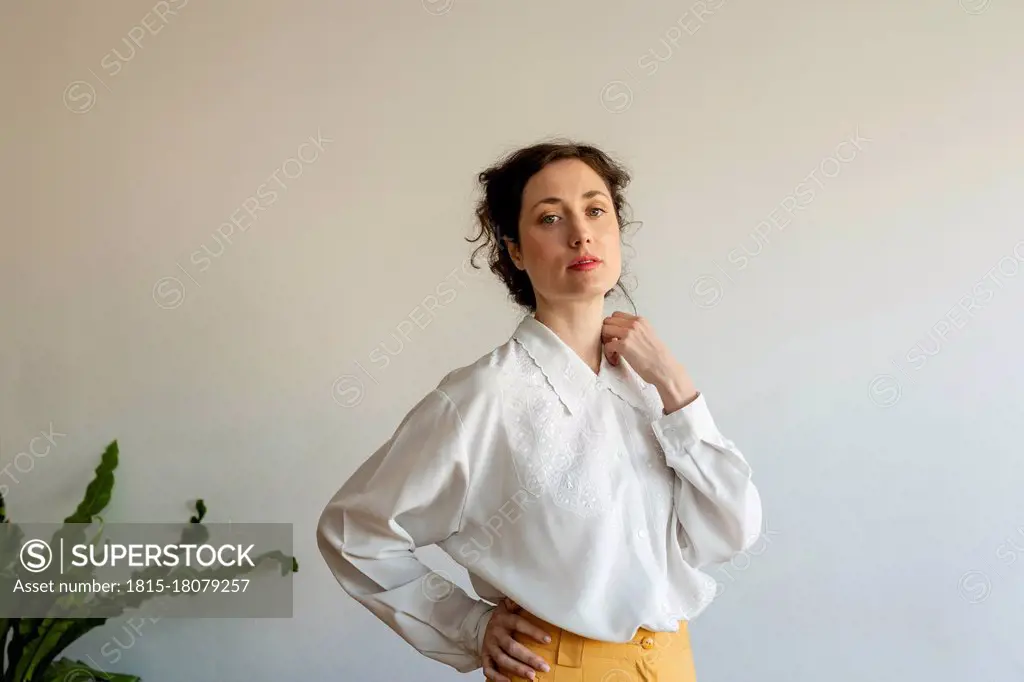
{"x": 475, "y": 625}
{"x": 680, "y": 431}
{"x": 686, "y": 426}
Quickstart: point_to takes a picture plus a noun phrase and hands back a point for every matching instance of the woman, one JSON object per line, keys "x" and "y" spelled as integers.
{"x": 575, "y": 470}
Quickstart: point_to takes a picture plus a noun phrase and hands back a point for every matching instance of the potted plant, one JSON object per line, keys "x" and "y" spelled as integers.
{"x": 30, "y": 646}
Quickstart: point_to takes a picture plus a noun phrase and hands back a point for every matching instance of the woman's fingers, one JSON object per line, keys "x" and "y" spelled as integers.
{"x": 524, "y": 626}
{"x": 491, "y": 669}
{"x": 621, "y": 324}
{"x": 492, "y": 674}
{"x": 507, "y": 664}
{"x": 502, "y": 655}
{"x": 613, "y": 349}
{"x": 489, "y": 672}
{"x": 517, "y": 651}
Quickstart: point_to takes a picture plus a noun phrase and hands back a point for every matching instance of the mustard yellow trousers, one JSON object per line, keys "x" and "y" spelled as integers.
{"x": 648, "y": 657}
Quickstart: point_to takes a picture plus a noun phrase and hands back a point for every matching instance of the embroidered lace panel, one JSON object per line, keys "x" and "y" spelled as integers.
{"x": 554, "y": 452}
{"x": 575, "y": 458}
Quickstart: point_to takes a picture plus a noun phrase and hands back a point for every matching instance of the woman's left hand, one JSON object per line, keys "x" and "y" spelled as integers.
{"x": 632, "y": 337}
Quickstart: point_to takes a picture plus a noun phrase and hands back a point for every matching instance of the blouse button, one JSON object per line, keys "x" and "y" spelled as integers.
{"x": 647, "y": 642}
{"x": 641, "y": 533}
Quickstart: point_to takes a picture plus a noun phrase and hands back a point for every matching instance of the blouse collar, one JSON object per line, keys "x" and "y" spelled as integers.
{"x": 570, "y": 377}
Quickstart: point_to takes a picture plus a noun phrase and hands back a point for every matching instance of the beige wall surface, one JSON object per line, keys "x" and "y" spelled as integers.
{"x": 224, "y": 223}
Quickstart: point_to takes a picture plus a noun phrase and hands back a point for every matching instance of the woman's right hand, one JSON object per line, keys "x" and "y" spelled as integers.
{"x": 502, "y": 655}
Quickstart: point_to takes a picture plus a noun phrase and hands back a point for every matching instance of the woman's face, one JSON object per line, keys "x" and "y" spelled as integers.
{"x": 567, "y": 214}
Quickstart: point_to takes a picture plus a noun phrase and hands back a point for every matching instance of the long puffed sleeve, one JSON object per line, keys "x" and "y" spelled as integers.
{"x": 717, "y": 506}
{"x": 410, "y": 493}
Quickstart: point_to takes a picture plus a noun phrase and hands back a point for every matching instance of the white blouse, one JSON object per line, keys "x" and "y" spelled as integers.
{"x": 569, "y": 492}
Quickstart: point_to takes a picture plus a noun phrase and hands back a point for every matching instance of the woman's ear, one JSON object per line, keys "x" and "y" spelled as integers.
{"x": 514, "y": 253}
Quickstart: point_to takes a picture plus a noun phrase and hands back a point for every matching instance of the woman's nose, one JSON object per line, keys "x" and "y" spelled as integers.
{"x": 578, "y": 232}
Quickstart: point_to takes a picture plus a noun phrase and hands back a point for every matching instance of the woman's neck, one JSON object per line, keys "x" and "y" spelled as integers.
{"x": 578, "y": 325}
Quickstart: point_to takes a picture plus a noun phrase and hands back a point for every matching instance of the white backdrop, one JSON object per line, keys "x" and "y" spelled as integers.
{"x": 831, "y": 197}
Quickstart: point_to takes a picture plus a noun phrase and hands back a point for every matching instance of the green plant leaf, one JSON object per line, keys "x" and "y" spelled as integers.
{"x": 99, "y": 490}
{"x": 200, "y": 511}
{"x": 10, "y": 539}
{"x": 34, "y": 643}
{"x": 33, "y": 632}
{"x": 77, "y": 627}
{"x": 45, "y": 649}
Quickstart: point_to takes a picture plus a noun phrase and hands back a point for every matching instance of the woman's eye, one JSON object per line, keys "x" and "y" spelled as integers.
{"x": 601, "y": 210}
{"x": 545, "y": 220}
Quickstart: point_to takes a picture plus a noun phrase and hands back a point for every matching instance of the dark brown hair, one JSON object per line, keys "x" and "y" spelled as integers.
{"x": 497, "y": 212}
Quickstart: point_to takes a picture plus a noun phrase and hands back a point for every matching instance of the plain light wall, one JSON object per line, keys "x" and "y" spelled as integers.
{"x": 852, "y": 312}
